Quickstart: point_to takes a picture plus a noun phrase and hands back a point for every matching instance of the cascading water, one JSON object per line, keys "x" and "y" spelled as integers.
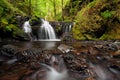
{"x": 46, "y": 31}
{"x": 103, "y": 73}
{"x": 56, "y": 70}
{"x": 67, "y": 27}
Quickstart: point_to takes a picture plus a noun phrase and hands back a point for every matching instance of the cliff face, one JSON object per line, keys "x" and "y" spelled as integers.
{"x": 98, "y": 19}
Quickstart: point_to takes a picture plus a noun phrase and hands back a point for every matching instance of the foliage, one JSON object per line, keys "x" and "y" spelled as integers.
{"x": 8, "y": 28}
{"x": 12, "y": 8}
{"x": 1, "y": 10}
{"x": 106, "y": 14}
{"x": 17, "y": 32}
{"x": 98, "y": 20}
{"x": 41, "y": 8}
{"x": 4, "y": 21}
{"x": 92, "y": 17}
{"x": 92, "y": 4}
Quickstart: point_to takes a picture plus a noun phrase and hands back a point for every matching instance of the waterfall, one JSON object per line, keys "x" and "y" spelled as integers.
{"x": 46, "y": 31}
{"x": 67, "y": 27}
{"x": 27, "y": 27}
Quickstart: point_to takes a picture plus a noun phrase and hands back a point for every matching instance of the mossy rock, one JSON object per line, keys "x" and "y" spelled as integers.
{"x": 96, "y": 20}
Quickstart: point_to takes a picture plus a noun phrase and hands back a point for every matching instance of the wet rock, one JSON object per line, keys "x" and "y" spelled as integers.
{"x": 114, "y": 65}
{"x": 11, "y": 49}
{"x": 67, "y": 37}
{"x": 110, "y": 46}
{"x": 90, "y": 78}
{"x": 35, "y": 75}
{"x": 77, "y": 60}
{"x": 11, "y": 61}
{"x": 117, "y": 52}
{"x": 98, "y": 46}
{"x": 30, "y": 55}
{"x": 117, "y": 42}
{"x": 77, "y": 76}
{"x": 7, "y": 54}
{"x": 64, "y": 48}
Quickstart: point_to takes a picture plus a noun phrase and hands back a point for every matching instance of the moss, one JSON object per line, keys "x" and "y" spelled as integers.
{"x": 4, "y": 21}
{"x": 107, "y": 14}
{"x": 96, "y": 20}
{"x": 8, "y": 21}
{"x": 1, "y": 10}
{"x": 113, "y": 33}
{"x": 17, "y": 32}
{"x": 91, "y": 5}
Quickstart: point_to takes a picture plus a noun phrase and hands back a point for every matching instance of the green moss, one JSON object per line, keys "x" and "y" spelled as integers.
{"x": 107, "y": 14}
{"x": 4, "y": 21}
{"x": 91, "y": 5}
{"x": 105, "y": 36}
{"x": 98, "y": 17}
{"x": 17, "y": 32}
{"x": 113, "y": 32}
{"x": 116, "y": 1}
{"x": 110, "y": 36}
{"x": 8, "y": 28}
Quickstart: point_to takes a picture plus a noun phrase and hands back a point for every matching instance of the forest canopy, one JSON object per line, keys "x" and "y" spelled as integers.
{"x": 50, "y": 9}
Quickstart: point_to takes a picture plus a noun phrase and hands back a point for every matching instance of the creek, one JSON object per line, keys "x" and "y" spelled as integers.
{"x": 83, "y": 60}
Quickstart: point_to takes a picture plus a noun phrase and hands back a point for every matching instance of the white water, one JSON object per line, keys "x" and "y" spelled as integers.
{"x": 46, "y": 31}
{"x": 102, "y": 73}
{"x": 49, "y": 40}
{"x": 53, "y": 74}
{"x": 27, "y": 27}
{"x": 56, "y": 72}
{"x": 67, "y": 27}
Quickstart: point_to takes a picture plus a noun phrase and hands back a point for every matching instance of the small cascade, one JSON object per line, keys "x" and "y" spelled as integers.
{"x": 66, "y": 28}
{"x": 102, "y": 72}
{"x": 27, "y": 27}
{"x": 56, "y": 70}
{"x": 63, "y": 29}
{"x": 46, "y": 31}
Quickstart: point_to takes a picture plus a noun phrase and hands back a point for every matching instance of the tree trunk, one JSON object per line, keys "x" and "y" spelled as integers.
{"x": 54, "y": 4}
{"x": 62, "y": 9}
{"x": 30, "y": 5}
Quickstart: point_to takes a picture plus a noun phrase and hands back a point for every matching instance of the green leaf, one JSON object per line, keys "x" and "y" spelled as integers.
{"x": 8, "y": 28}
{"x": 4, "y": 21}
